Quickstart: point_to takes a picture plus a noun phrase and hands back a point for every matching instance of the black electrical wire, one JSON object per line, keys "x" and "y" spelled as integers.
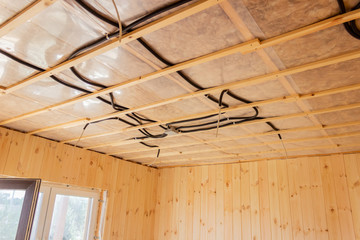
{"x": 350, "y": 27}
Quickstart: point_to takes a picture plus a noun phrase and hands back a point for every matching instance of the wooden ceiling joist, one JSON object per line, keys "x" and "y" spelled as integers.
{"x": 240, "y": 146}
{"x": 255, "y": 153}
{"x": 24, "y": 15}
{"x": 243, "y": 47}
{"x": 234, "y": 138}
{"x": 233, "y": 85}
{"x": 113, "y": 43}
{"x": 269, "y": 119}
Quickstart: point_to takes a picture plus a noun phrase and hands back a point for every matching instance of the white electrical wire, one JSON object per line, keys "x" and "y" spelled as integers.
{"x": 119, "y": 21}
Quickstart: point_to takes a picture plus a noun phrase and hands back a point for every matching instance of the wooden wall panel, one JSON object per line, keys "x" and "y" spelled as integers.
{"x": 131, "y": 188}
{"x": 304, "y": 198}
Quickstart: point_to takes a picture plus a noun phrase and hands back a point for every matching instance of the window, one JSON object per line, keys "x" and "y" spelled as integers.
{"x": 17, "y": 202}
{"x": 65, "y": 213}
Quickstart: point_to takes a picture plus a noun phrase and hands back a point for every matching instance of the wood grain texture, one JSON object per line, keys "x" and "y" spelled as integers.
{"x": 303, "y": 198}
{"x": 131, "y": 188}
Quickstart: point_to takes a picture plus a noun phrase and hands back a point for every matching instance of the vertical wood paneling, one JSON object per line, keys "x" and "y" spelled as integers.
{"x": 332, "y": 215}
{"x": 304, "y": 198}
{"x": 24, "y": 155}
{"x": 220, "y": 220}
{"x": 295, "y": 200}
{"x": 306, "y": 201}
{"x": 285, "y": 212}
{"x": 352, "y": 168}
{"x": 245, "y": 202}
{"x": 255, "y": 206}
{"x": 317, "y": 196}
{"x": 264, "y": 201}
{"x": 274, "y": 201}
{"x": 342, "y": 197}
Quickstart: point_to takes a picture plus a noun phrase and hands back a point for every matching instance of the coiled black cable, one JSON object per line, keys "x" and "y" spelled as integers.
{"x": 350, "y": 27}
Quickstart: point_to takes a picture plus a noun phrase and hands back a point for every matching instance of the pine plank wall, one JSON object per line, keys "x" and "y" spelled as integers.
{"x": 304, "y": 198}
{"x": 131, "y": 187}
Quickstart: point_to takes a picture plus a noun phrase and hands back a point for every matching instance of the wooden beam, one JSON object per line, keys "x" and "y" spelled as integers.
{"x": 233, "y": 85}
{"x": 296, "y": 140}
{"x": 257, "y": 153}
{"x": 24, "y": 15}
{"x": 255, "y": 160}
{"x": 223, "y": 139}
{"x": 113, "y": 43}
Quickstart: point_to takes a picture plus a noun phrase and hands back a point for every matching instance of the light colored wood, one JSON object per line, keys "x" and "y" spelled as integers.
{"x": 332, "y": 214}
{"x": 113, "y": 43}
{"x": 284, "y": 203}
{"x": 282, "y": 179}
{"x": 24, "y": 15}
{"x": 237, "y": 208}
{"x": 317, "y": 194}
{"x": 255, "y": 201}
{"x": 306, "y": 201}
{"x": 221, "y": 139}
{"x": 279, "y": 142}
{"x": 235, "y": 155}
{"x": 269, "y": 119}
{"x": 29, "y": 156}
{"x": 264, "y": 201}
{"x": 342, "y": 198}
{"x": 245, "y": 201}
{"x": 220, "y": 218}
{"x": 352, "y": 168}
{"x": 274, "y": 201}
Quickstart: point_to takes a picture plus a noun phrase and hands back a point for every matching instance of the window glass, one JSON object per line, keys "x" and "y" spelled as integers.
{"x": 70, "y": 217}
{"x": 11, "y": 202}
{"x": 36, "y": 217}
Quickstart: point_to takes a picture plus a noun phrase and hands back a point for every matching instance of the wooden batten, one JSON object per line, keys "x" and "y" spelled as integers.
{"x": 24, "y": 15}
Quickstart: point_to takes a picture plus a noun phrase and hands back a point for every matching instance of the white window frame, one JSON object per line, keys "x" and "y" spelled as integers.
{"x": 48, "y": 203}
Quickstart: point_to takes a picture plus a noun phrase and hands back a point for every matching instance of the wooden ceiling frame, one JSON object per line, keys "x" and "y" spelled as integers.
{"x": 232, "y": 85}
{"x": 115, "y": 42}
{"x": 24, "y": 15}
{"x": 234, "y": 138}
{"x": 243, "y": 47}
{"x": 254, "y": 153}
{"x": 239, "y": 146}
{"x": 246, "y": 33}
{"x": 203, "y": 99}
{"x": 255, "y": 160}
{"x": 269, "y": 119}
{"x": 286, "y": 99}
{"x": 253, "y": 45}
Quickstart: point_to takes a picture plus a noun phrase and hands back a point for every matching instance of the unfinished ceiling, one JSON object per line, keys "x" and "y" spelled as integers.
{"x": 285, "y": 72}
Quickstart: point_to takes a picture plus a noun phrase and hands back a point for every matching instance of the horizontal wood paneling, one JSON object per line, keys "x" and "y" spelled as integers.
{"x": 304, "y": 198}
{"x": 131, "y": 187}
